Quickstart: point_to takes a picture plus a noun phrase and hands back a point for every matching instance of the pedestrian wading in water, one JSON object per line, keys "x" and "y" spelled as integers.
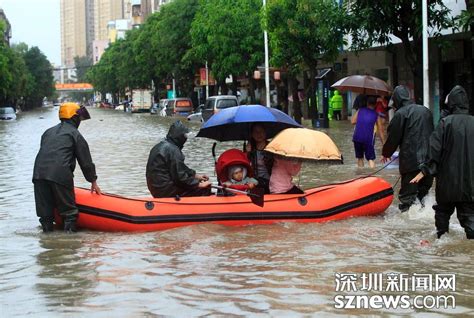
{"x": 451, "y": 161}
{"x": 53, "y": 177}
{"x": 410, "y": 129}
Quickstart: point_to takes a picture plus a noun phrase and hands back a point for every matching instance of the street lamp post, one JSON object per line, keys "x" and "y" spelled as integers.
{"x": 207, "y": 81}
{"x": 426, "y": 79}
{"x": 267, "y": 69}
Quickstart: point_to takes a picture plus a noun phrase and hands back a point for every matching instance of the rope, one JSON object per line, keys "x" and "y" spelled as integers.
{"x": 374, "y": 173}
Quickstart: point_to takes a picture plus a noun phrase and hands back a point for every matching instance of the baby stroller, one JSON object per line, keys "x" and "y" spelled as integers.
{"x": 228, "y": 159}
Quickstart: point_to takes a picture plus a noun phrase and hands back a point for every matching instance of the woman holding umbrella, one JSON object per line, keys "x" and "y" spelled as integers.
{"x": 261, "y": 162}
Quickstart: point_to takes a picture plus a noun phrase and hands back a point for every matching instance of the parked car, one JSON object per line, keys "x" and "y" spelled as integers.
{"x": 7, "y": 113}
{"x": 196, "y": 116}
{"x": 215, "y": 103}
{"x": 179, "y": 106}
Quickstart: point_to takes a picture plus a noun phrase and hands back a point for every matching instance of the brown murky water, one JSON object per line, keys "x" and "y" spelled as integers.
{"x": 283, "y": 270}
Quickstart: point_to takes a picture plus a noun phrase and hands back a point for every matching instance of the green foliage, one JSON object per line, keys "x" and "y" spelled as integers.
{"x": 302, "y": 32}
{"x": 82, "y": 65}
{"x": 42, "y": 73}
{"x": 228, "y": 35}
{"x": 374, "y": 21}
{"x": 465, "y": 20}
{"x": 25, "y": 76}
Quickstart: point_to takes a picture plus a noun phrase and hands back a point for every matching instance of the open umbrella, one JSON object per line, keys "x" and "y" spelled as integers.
{"x": 305, "y": 144}
{"x": 235, "y": 123}
{"x": 363, "y": 84}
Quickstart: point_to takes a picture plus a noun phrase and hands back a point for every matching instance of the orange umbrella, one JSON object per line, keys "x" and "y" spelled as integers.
{"x": 363, "y": 84}
{"x": 306, "y": 144}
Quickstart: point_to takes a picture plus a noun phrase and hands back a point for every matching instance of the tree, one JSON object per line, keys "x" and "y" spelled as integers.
{"x": 229, "y": 36}
{"x": 104, "y": 75}
{"x": 82, "y": 65}
{"x": 373, "y": 22}
{"x": 42, "y": 74}
{"x": 302, "y": 33}
{"x": 172, "y": 41}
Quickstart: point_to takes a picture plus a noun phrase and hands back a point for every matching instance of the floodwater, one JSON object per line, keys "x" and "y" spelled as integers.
{"x": 280, "y": 270}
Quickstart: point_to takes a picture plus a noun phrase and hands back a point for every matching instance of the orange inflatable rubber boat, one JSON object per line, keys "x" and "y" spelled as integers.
{"x": 111, "y": 213}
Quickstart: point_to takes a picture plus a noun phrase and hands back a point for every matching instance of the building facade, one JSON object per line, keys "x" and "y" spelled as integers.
{"x": 74, "y": 31}
{"x": 104, "y": 12}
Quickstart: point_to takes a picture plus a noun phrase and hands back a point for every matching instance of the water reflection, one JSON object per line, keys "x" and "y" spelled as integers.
{"x": 65, "y": 278}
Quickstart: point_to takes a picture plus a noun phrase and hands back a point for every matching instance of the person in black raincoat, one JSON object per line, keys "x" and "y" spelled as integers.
{"x": 410, "y": 129}
{"x": 166, "y": 173}
{"x": 55, "y": 162}
{"x": 451, "y": 161}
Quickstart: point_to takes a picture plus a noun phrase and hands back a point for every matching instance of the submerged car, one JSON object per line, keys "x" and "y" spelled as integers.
{"x": 7, "y": 113}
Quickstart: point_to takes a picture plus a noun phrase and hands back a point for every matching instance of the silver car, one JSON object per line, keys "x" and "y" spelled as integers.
{"x": 216, "y": 103}
{"x": 7, "y": 113}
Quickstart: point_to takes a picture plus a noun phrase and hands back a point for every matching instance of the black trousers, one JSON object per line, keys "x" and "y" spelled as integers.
{"x": 196, "y": 192}
{"x": 50, "y": 196}
{"x": 409, "y": 192}
{"x": 336, "y": 114}
{"x": 294, "y": 190}
{"x": 465, "y": 214}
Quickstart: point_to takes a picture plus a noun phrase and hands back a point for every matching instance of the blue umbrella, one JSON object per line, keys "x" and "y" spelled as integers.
{"x": 235, "y": 123}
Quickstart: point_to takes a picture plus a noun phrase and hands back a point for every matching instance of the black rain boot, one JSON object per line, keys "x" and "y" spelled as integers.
{"x": 440, "y": 233}
{"x": 469, "y": 235}
{"x": 47, "y": 226}
{"x": 70, "y": 226}
{"x": 403, "y": 207}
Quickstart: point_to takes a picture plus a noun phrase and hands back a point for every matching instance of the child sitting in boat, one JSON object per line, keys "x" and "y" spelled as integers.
{"x": 238, "y": 179}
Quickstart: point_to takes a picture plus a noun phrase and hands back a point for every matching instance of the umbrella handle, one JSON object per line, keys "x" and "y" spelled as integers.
{"x": 214, "y": 152}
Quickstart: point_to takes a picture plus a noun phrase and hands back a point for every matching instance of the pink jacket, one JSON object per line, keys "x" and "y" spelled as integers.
{"x": 282, "y": 173}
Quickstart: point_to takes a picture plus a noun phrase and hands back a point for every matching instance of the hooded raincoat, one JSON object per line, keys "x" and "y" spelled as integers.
{"x": 410, "y": 129}
{"x": 61, "y": 145}
{"x": 336, "y": 101}
{"x": 451, "y": 152}
{"x": 166, "y": 173}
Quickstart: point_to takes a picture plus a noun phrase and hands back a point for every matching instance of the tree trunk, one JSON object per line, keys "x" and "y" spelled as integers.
{"x": 414, "y": 58}
{"x": 235, "y": 84}
{"x": 296, "y": 100}
{"x": 313, "y": 106}
{"x": 251, "y": 88}
{"x": 284, "y": 92}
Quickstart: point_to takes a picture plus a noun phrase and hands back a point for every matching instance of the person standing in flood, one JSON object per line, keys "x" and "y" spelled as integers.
{"x": 410, "y": 129}
{"x": 53, "y": 177}
{"x": 366, "y": 120}
{"x": 451, "y": 161}
{"x": 336, "y": 103}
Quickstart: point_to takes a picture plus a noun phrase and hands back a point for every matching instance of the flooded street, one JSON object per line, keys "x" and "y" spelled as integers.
{"x": 281, "y": 270}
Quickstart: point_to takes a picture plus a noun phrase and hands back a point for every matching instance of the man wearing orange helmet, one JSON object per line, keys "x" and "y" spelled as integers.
{"x": 61, "y": 146}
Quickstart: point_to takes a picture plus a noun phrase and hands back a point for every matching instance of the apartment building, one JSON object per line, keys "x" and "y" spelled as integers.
{"x": 74, "y": 30}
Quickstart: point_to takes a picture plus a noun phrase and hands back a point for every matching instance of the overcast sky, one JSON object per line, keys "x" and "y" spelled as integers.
{"x": 37, "y": 23}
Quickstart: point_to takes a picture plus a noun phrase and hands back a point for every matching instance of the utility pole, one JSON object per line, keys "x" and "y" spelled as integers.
{"x": 267, "y": 68}
{"x": 426, "y": 78}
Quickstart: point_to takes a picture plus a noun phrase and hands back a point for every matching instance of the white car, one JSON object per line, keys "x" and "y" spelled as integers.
{"x": 197, "y": 117}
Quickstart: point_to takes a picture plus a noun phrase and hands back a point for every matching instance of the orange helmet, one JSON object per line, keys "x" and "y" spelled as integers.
{"x": 68, "y": 110}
